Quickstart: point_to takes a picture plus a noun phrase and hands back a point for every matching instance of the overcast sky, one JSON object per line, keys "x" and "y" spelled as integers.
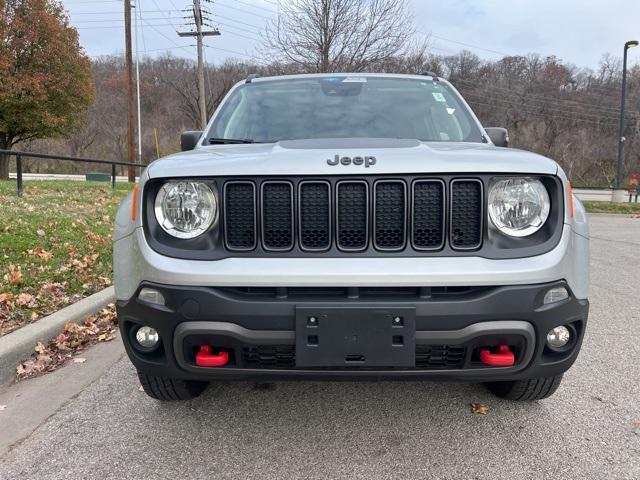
{"x": 577, "y": 31}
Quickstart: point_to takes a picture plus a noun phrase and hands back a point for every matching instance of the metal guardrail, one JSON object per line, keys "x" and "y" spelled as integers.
{"x": 44, "y": 156}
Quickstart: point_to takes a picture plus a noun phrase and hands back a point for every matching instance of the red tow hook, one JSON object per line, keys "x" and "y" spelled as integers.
{"x": 206, "y": 358}
{"x": 502, "y": 358}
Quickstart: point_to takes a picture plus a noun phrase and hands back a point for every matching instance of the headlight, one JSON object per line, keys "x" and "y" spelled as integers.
{"x": 518, "y": 206}
{"x": 186, "y": 209}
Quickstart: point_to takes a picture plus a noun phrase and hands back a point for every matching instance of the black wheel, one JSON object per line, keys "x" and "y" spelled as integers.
{"x": 523, "y": 390}
{"x": 164, "y": 388}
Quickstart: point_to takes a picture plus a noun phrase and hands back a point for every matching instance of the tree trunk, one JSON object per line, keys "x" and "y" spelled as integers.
{"x": 5, "y": 144}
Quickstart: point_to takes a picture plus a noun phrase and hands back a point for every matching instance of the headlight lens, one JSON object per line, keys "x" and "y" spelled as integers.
{"x": 186, "y": 209}
{"x": 519, "y": 206}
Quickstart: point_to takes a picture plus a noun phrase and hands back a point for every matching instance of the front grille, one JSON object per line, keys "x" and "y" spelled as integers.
{"x": 315, "y": 215}
{"x": 269, "y": 356}
{"x": 466, "y": 214}
{"x": 439, "y": 356}
{"x": 353, "y": 215}
{"x": 277, "y": 215}
{"x": 240, "y": 216}
{"x": 390, "y": 215}
{"x": 352, "y": 210}
{"x": 428, "y": 214}
{"x": 428, "y": 357}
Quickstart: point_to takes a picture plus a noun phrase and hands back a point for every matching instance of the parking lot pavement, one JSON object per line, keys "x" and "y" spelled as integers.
{"x": 589, "y": 429}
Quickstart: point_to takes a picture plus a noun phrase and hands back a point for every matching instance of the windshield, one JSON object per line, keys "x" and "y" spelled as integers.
{"x": 345, "y": 107}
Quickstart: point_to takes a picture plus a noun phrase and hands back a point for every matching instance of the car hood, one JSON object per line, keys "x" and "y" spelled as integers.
{"x": 309, "y": 157}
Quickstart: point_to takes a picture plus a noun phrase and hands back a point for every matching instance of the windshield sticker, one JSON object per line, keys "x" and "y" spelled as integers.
{"x": 450, "y": 110}
{"x": 355, "y": 80}
{"x": 438, "y": 96}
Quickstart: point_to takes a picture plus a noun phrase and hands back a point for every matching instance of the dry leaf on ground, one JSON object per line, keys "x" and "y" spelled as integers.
{"x": 79, "y": 360}
{"x": 41, "y": 253}
{"x": 479, "y": 408}
{"x": 3, "y": 407}
{"x": 14, "y": 275}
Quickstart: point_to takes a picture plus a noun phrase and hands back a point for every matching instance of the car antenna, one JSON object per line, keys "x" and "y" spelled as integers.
{"x": 251, "y": 77}
{"x": 431, "y": 74}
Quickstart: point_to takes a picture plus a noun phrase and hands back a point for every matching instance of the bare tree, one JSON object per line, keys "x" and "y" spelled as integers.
{"x": 339, "y": 35}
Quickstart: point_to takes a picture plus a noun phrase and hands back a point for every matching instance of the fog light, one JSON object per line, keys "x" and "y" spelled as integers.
{"x": 147, "y": 337}
{"x": 555, "y": 295}
{"x": 558, "y": 337}
{"x": 151, "y": 295}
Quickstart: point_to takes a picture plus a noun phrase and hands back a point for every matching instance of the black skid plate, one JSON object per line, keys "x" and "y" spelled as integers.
{"x": 355, "y": 337}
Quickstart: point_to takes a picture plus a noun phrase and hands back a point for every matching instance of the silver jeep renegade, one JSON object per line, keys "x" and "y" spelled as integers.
{"x": 358, "y": 226}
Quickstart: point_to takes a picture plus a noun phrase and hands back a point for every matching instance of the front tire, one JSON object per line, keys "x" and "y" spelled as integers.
{"x": 526, "y": 390}
{"x": 170, "y": 389}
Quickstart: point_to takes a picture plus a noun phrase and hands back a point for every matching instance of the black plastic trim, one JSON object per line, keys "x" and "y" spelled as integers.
{"x": 482, "y": 214}
{"x": 405, "y": 220}
{"x": 255, "y": 215}
{"x": 443, "y": 231}
{"x": 293, "y": 215}
{"x": 274, "y": 319}
{"x": 495, "y": 245}
{"x": 299, "y": 216}
{"x": 367, "y": 215}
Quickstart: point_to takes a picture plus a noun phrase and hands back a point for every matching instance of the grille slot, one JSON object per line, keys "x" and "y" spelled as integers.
{"x": 315, "y": 215}
{"x": 439, "y": 356}
{"x": 277, "y": 216}
{"x": 390, "y": 216}
{"x": 352, "y": 211}
{"x": 428, "y": 215}
{"x": 466, "y": 214}
{"x": 240, "y": 216}
{"x": 269, "y": 356}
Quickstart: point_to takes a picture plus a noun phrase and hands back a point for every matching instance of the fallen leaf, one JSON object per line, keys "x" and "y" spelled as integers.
{"x": 79, "y": 360}
{"x": 40, "y": 232}
{"x": 33, "y": 316}
{"x": 40, "y": 348}
{"x": 105, "y": 337}
{"x": 5, "y": 297}
{"x": 3, "y": 407}
{"x": 24, "y": 299}
{"x": 140, "y": 388}
{"x": 14, "y": 275}
{"x": 479, "y": 408}
{"x": 41, "y": 253}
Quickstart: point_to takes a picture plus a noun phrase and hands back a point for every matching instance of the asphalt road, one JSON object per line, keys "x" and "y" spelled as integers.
{"x": 589, "y": 429}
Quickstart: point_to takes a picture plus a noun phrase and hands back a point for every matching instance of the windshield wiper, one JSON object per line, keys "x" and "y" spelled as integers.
{"x": 230, "y": 140}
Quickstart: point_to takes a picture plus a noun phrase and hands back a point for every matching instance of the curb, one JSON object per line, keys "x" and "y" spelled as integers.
{"x": 18, "y": 345}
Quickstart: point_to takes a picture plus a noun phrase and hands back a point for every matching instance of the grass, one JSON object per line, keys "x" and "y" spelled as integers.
{"x": 55, "y": 246}
{"x": 610, "y": 207}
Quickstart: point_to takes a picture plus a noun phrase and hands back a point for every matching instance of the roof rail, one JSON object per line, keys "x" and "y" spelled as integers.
{"x": 251, "y": 77}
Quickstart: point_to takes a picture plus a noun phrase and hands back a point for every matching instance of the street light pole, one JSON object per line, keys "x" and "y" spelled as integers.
{"x": 621, "y": 139}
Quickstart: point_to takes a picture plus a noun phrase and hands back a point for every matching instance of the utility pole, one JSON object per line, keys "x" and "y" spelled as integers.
{"x": 131, "y": 143}
{"x": 621, "y": 139}
{"x": 199, "y": 34}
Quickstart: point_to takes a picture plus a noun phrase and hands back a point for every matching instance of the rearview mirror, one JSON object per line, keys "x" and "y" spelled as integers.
{"x": 189, "y": 140}
{"x": 499, "y": 136}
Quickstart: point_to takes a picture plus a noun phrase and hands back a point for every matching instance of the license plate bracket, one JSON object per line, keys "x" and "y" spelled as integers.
{"x": 355, "y": 337}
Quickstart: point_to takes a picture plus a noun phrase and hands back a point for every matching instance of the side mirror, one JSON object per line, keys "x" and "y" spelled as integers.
{"x": 189, "y": 140}
{"x": 499, "y": 136}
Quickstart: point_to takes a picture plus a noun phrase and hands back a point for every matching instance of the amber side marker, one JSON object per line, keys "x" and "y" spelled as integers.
{"x": 134, "y": 202}
{"x": 570, "y": 200}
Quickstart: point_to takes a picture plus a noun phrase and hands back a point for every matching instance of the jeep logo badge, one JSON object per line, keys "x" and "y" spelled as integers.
{"x": 366, "y": 161}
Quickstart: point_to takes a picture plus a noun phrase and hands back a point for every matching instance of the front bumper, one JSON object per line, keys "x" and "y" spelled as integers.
{"x": 258, "y": 328}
